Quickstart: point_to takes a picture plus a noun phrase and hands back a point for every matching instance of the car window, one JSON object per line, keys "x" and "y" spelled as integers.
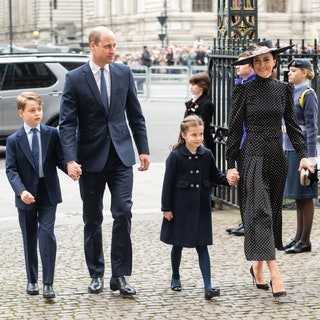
{"x": 2, "y": 72}
{"x": 71, "y": 65}
{"x": 26, "y": 75}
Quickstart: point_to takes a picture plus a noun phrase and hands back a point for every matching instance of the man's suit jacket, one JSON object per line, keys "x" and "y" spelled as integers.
{"x": 20, "y": 168}
{"x": 86, "y": 128}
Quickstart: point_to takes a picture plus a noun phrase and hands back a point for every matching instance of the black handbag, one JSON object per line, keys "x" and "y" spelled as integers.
{"x": 307, "y": 178}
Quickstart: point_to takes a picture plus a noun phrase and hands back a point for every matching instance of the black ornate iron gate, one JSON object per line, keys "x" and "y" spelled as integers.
{"x": 223, "y": 74}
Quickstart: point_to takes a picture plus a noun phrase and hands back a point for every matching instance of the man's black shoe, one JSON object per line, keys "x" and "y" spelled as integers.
{"x": 48, "y": 292}
{"x": 120, "y": 283}
{"x": 32, "y": 288}
{"x": 96, "y": 285}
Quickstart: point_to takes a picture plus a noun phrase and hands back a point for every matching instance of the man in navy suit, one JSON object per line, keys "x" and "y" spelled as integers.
{"x": 33, "y": 154}
{"x": 98, "y": 101}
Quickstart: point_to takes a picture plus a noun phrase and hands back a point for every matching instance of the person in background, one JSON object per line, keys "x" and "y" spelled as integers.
{"x": 98, "y": 104}
{"x": 163, "y": 60}
{"x": 118, "y": 59}
{"x": 260, "y": 105}
{"x": 192, "y": 56}
{"x": 201, "y": 105}
{"x": 300, "y": 72}
{"x": 200, "y": 56}
{"x": 170, "y": 53}
{"x": 146, "y": 61}
{"x": 187, "y": 218}
{"x": 33, "y": 154}
{"x": 245, "y": 72}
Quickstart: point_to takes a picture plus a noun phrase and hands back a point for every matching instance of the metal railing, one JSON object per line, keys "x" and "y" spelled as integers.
{"x": 164, "y": 83}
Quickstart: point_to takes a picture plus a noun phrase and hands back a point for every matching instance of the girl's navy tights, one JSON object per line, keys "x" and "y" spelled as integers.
{"x": 204, "y": 263}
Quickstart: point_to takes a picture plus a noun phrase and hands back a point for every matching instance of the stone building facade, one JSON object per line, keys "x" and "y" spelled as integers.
{"x": 135, "y": 22}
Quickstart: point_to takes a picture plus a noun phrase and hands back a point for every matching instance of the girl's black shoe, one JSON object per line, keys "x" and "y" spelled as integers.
{"x": 212, "y": 293}
{"x": 176, "y": 285}
{"x": 258, "y": 285}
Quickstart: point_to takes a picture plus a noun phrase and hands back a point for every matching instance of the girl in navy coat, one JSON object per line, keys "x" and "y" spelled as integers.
{"x": 189, "y": 176}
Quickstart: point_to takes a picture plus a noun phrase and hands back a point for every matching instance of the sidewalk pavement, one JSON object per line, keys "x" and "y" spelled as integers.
{"x": 151, "y": 269}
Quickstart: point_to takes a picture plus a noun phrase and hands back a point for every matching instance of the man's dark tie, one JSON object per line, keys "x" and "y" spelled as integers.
{"x": 103, "y": 90}
{"x": 35, "y": 149}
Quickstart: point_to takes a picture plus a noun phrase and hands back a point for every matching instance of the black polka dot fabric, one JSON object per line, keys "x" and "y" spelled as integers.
{"x": 260, "y": 105}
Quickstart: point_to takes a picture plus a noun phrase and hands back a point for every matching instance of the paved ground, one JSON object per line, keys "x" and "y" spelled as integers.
{"x": 151, "y": 274}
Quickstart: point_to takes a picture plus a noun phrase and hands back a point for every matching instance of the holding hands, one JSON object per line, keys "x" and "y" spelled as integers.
{"x": 233, "y": 176}
{"x": 74, "y": 170}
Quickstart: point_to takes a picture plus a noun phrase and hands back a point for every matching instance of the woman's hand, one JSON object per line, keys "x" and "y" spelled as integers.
{"x": 233, "y": 176}
{"x": 305, "y": 163}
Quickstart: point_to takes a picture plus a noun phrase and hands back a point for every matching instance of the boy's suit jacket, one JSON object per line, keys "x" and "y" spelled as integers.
{"x": 20, "y": 167}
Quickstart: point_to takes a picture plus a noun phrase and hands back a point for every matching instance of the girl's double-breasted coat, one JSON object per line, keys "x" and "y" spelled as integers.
{"x": 186, "y": 192}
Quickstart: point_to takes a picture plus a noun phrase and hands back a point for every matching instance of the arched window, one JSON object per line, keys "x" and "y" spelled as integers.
{"x": 276, "y": 5}
{"x": 202, "y": 5}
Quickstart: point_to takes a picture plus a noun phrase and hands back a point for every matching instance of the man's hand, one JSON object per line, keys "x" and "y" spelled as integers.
{"x": 74, "y": 170}
{"x": 144, "y": 162}
{"x": 27, "y": 197}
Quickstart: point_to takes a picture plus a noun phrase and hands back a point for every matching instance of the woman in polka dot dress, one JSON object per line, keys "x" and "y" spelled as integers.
{"x": 261, "y": 104}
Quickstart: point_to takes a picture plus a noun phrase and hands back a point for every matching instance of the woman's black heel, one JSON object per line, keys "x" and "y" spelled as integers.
{"x": 279, "y": 294}
{"x": 258, "y": 285}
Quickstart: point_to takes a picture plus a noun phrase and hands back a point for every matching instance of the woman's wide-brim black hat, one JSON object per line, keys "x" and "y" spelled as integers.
{"x": 260, "y": 50}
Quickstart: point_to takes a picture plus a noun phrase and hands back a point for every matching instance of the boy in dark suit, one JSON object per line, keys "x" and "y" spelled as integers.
{"x": 32, "y": 155}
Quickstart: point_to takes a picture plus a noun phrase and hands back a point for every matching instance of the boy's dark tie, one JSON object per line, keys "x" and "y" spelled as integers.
{"x": 103, "y": 90}
{"x": 35, "y": 149}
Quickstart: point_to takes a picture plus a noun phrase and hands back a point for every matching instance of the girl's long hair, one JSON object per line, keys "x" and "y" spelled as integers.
{"x": 189, "y": 121}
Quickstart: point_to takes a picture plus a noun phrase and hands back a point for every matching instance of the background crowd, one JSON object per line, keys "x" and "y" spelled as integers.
{"x": 193, "y": 54}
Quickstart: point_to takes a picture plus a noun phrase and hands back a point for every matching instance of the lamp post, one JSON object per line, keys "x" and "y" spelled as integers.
{"x": 10, "y": 26}
{"x": 51, "y": 22}
{"x": 81, "y": 18}
{"x": 110, "y": 15}
{"x": 165, "y": 25}
{"x": 163, "y": 21}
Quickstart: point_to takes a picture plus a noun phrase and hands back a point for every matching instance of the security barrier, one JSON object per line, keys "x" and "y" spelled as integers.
{"x": 168, "y": 83}
{"x": 141, "y": 77}
{"x": 159, "y": 83}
